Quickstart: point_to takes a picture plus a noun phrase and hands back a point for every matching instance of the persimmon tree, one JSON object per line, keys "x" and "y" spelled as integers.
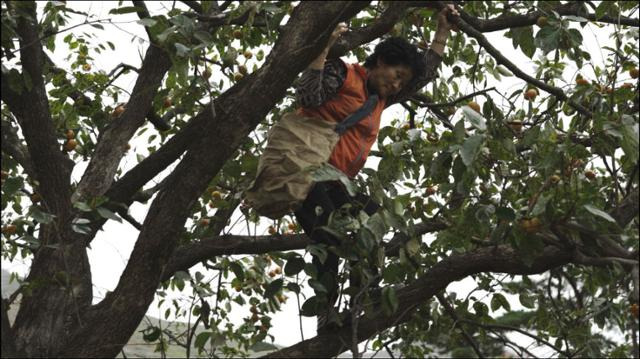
{"x": 533, "y": 195}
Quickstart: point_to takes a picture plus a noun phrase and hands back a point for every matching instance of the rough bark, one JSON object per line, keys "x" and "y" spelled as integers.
{"x": 112, "y": 143}
{"x": 50, "y": 303}
{"x": 62, "y": 302}
{"x": 187, "y": 256}
{"x": 238, "y": 111}
{"x": 501, "y": 259}
{"x": 511, "y": 20}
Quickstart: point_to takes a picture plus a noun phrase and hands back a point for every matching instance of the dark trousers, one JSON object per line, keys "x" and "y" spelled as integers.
{"x": 329, "y": 196}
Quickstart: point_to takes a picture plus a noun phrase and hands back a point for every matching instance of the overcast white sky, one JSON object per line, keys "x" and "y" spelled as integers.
{"x": 110, "y": 250}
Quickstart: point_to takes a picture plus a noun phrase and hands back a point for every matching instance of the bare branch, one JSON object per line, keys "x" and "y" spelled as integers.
{"x": 501, "y": 59}
{"x": 189, "y": 255}
{"x": 515, "y": 329}
{"x": 508, "y": 21}
{"x": 452, "y": 313}
{"x": 451, "y": 103}
{"x": 31, "y": 107}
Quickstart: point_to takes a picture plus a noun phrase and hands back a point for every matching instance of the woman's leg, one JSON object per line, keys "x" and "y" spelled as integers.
{"x": 311, "y": 221}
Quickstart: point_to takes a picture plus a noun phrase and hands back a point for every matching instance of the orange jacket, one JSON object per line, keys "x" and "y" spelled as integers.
{"x": 352, "y": 150}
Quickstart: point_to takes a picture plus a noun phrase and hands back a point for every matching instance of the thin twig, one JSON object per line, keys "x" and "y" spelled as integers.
{"x": 452, "y": 313}
{"x": 507, "y": 327}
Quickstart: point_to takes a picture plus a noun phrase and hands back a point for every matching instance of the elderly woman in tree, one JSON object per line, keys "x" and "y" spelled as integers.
{"x": 333, "y": 90}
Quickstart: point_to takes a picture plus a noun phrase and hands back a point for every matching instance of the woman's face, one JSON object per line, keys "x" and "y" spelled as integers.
{"x": 388, "y": 80}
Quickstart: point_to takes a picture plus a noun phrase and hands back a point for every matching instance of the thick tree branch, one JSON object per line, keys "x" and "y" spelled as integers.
{"x": 133, "y": 180}
{"x": 189, "y": 255}
{"x": 500, "y": 259}
{"x": 194, "y": 5}
{"x": 31, "y": 107}
{"x": 124, "y": 189}
{"x": 508, "y": 21}
{"x": 301, "y": 41}
{"x": 8, "y": 339}
{"x": 143, "y": 13}
{"x": 112, "y": 142}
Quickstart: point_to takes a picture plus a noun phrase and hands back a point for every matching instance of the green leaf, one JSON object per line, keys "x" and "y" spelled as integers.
{"x": 202, "y": 339}
{"x": 293, "y": 287}
{"x": 480, "y": 308}
{"x": 148, "y": 22}
{"x": 237, "y": 270}
{"x": 603, "y": 9}
{"x": 475, "y": 119}
{"x": 439, "y": 170}
{"x": 40, "y": 216}
{"x": 523, "y": 37}
{"x": 413, "y": 247}
{"x": 327, "y": 172}
{"x": 630, "y": 138}
{"x": 548, "y": 39}
{"x": 81, "y": 229}
{"x": 470, "y": 149}
{"x": 540, "y": 205}
{"x": 12, "y": 185}
{"x": 181, "y": 49}
{"x": 498, "y": 300}
{"x": 319, "y": 251}
{"x": 317, "y": 286}
{"x": 182, "y": 275}
{"x": 83, "y": 206}
{"x": 376, "y": 225}
{"x": 151, "y": 334}
{"x": 600, "y": 213}
{"x": 310, "y": 307}
{"x": 204, "y": 37}
{"x": 506, "y": 214}
{"x": 294, "y": 266}
{"x": 527, "y": 301}
{"x": 273, "y": 288}
{"x": 105, "y": 213}
{"x": 389, "y": 300}
{"x": 504, "y": 71}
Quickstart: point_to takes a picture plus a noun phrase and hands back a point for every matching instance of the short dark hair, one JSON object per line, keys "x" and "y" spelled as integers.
{"x": 396, "y": 51}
